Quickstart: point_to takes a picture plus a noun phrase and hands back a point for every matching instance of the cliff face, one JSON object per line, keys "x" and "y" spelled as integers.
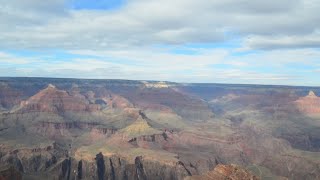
{"x": 117, "y": 168}
{"x": 30, "y": 160}
{"x": 53, "y": 129}
{"x": 100, "y": 168}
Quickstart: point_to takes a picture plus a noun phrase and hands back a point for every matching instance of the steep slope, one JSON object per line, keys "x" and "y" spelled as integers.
{"x": 52, "y": 99}
{"x": 139, "y": 128}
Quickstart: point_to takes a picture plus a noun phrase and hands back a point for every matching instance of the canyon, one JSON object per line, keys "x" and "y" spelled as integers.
{"x": 121, "y": 129}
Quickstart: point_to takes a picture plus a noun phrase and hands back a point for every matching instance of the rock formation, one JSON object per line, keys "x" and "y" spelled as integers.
{"x": 118, "y": 129}
{"x": 225, "y": 172}
{"x": 52, "y": 99}
{"x": 309, "y": 104}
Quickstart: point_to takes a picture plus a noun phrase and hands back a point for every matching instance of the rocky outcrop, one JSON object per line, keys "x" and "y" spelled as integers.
{"x": 309, "y": 104}
{"x": 116, "y": 101}
{"x": 104, "y": 131}
{"x": 101, "y": 167}
{"x": 53, "y": 129}
{"x": 54, "y": 100}
{"x": 117, "y": 168}
{"x": 29, "y": 159}
{"x": 225, "y": 172}
{"x": 47, "y": 163}
{"x": 138, "y": 128}
{"x": 160, "y": 84}
{"x": 150, "y": 141}
{"x": 65, "y": 169}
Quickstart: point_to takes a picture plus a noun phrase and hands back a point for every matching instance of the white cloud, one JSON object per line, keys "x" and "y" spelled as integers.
{"x": 48, "y": 24}
{"x": 274, "y": 42}
{"x": 125, "y": 42}
{"x": 153, "y": 64}
{"x": 11, "y": 59}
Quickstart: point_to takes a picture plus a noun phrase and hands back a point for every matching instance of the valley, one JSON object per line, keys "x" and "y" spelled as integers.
{"x": 121, "y": 129}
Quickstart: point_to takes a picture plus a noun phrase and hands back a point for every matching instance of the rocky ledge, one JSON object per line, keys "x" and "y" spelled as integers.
{"x": 225, "y": 172}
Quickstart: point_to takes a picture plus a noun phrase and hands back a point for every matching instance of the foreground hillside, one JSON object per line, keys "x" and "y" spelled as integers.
{"x": 117, "y": 129}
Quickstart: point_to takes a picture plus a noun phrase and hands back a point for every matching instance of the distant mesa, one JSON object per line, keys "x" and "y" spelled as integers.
{"x": 160, "y": 84}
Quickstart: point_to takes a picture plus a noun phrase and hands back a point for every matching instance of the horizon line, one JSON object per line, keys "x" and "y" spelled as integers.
{"x": 173, "y": 82}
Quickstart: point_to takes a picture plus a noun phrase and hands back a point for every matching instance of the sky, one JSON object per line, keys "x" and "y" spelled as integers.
{"x": 199, "y": 41}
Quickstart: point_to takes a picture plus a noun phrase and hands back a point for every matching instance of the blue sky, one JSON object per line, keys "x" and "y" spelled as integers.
{"x": 213, "y": 41}
{"x": 96, "y": 4}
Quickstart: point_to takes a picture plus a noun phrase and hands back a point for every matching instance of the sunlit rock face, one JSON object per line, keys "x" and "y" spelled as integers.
{"x": 155, "y": 84}
{"x": 309, "y": 104}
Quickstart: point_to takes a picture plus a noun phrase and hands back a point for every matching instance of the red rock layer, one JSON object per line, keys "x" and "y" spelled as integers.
{"x": 309, "y": 104}
{"x": 52, "y": 99}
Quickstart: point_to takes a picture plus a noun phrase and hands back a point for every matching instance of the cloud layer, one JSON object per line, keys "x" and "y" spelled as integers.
{"x": 232, "y": 41}
{"x": 260, "y": 24}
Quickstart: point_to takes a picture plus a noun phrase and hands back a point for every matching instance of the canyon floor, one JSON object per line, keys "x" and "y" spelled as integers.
{"x": 122, "y": 129}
